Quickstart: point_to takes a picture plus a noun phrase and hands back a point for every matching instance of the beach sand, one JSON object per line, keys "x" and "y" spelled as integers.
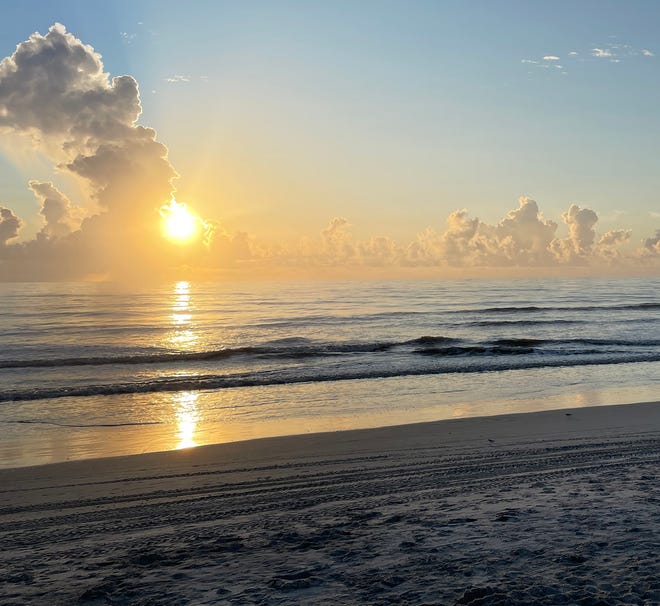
{"x": 554, "y": 507}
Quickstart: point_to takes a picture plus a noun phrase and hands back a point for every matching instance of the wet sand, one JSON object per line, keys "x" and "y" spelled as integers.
{"x": 555, "y": 507}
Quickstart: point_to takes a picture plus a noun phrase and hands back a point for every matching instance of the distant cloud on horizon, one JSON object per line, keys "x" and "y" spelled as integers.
{"x": 523, "y": 239}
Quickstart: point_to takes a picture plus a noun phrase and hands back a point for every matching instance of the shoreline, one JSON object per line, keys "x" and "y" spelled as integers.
{"x": 193, "y": 419}
{"x": 548, "y": 507}
{"x": 291, "y": 442}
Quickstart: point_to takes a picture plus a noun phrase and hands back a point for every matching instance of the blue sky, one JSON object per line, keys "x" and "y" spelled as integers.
{"x": 281, "y": 115}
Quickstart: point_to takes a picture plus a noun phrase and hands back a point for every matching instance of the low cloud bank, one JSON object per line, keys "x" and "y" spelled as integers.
{"x": 523, "y": 238}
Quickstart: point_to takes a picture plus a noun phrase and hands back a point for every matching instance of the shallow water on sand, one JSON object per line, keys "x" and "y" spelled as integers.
{"x": 93, "y": 369}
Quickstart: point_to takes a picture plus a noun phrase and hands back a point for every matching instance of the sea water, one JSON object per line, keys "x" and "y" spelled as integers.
{"x": 96, "y": 369}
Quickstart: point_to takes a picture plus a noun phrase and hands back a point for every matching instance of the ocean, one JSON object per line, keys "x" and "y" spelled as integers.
{"x": 96, "y": 369}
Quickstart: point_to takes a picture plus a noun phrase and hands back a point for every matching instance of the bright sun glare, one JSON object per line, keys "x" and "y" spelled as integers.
{"x": 179, "y": 223}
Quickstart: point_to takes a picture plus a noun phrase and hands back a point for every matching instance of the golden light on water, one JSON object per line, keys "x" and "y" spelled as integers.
{"x": 179, "y": 224}
{"x": 186, "y": 415}
{"x": 184, "y": 339}
{"x": 181, "y": 319}
{"x": 182, "y": 289}
{"x": 182, "y": 336}
{"x": 181, "y": 315}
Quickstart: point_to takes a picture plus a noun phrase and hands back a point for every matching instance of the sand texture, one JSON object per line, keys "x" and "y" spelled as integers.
{"x": 559, "y": 507}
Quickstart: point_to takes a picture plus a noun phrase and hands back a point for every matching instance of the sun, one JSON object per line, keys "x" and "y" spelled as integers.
{"x": 179, "y": 224}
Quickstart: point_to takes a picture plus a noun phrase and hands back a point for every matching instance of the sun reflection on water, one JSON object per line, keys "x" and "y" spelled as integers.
{"x": 187, "y": 415}
{"x": 182, "y": 335}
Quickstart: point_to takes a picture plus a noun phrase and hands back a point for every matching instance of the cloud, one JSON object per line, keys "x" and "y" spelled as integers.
{"x": 581, "y": 230}
{"x": 54, "y": 85}
{"x": 651, "y": 246}
{"x": 379, "y": 251}
{"x": 228, "y": 249}
{"x": 177, "y": 78}
{"x": 601, "y": 52}
{"x": 336, "y": 239}
{"x": 10, "y": 225}
{"x": 523, "y": 238}
{"x": 526, "y": 231}
{"x": 581, "y": 235}
{"x": 609, "y": 245}
{"x": 613, "y": 52}
{"x": 61, "y": 217}
{"x": 55, "y": 92}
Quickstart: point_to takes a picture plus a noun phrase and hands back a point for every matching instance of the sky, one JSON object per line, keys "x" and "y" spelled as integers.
{"x": 390, "y": 135}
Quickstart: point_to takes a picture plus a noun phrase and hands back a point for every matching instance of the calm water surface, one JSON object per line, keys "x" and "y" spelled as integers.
{"x": 93, "y": 369}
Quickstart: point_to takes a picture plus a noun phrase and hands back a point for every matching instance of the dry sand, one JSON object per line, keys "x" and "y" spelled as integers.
{"x": 558, "y": 507}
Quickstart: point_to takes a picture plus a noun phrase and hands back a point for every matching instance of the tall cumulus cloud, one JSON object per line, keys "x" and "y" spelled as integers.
{"x": 54, "y": 91}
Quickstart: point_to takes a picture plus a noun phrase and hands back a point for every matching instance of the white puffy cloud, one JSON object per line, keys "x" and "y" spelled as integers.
{"x": 581, "y": 235}
{"x": 60, "y": 216}
{"x": 10, "y": 225}
{"x": 651, "y": 246}
{"x": 55, "y": 86}
{"x": 608, "y": 245}
{"x": 177, "y": 78}
{"x": 54, "y": 91}
{"x": 522, "y": 238}
{"x": 526, "y": 234}
{"x": 458, "y": 242}
{"x": 601, "y": 52}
